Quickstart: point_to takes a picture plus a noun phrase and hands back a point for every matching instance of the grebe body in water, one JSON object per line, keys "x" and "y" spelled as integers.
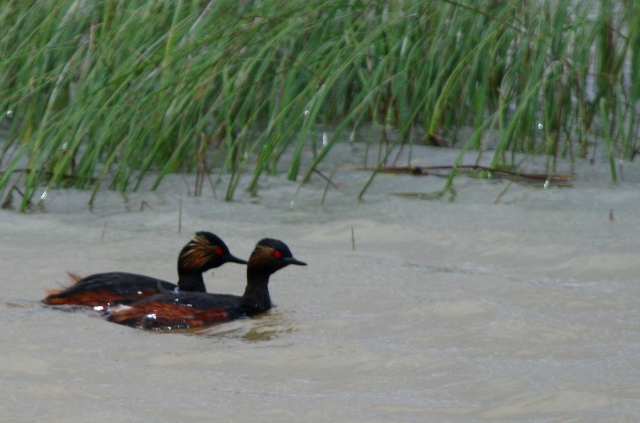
{"x": 194, "y": 310}
{"x": 104, "y": 290}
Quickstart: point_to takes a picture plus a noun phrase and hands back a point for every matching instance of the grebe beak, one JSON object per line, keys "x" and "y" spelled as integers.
{"x": 233, "y": 259}
{"x": 291, "y": 260}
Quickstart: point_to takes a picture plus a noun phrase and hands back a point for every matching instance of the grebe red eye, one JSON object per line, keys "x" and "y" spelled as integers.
{"x": 218, "y": 251}
{"x": 277, "y": 254}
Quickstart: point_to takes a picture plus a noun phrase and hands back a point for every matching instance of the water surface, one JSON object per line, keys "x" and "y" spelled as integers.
{"x": 446, "y": 311}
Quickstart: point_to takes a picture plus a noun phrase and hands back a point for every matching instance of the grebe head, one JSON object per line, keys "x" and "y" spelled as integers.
{"x": 271, "y": 255}
{"x": 205, "y": 251}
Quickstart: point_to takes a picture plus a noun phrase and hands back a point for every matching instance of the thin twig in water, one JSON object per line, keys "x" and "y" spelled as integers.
{"x": 18, "y": 189}
{"x": 424, "y": 171}
{"x": 326, "y": 187}
{"x": 523, "y": 165}
{"x": 184, "y": 178}
{"x": 180, "y": 216}
{"x": 399, "y": 152}
{"x": 213, "y": 186}
{"x": 353, "y": 239}
{"x": 375, "y": 172}
{"x": 202, "y": 167}
{"x": 328, "y": 179}
{"x": 145, "y": 204}
{"x": 511, "y": 182}
{"x": 104, "y": 231}
{"x": 9, "y": 198}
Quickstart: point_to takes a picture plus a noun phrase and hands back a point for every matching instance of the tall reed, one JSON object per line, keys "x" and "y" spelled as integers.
{"x": 109, "y": 90}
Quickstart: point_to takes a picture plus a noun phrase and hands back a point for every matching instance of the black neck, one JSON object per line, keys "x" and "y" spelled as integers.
{"x": 192, "y": 282}
{"x": 256, "y": 295}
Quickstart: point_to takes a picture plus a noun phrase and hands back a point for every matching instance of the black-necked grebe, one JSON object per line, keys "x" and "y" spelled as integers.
{"x": 104, "y": 290}
{"x": 192, "y": 310}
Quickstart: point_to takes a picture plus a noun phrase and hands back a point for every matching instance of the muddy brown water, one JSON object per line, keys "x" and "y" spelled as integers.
{"x": 449, "y": 310}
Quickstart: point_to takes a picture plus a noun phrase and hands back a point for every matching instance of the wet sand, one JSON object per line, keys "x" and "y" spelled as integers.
{"x": 449, "y": 310}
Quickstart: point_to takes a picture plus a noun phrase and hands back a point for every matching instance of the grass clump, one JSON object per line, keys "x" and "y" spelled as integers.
{"x": 106, "y": 90}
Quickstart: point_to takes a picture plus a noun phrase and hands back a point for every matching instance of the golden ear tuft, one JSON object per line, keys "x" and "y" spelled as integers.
{"x": 200, "y": 251}
{"x": 260, "y": 255}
